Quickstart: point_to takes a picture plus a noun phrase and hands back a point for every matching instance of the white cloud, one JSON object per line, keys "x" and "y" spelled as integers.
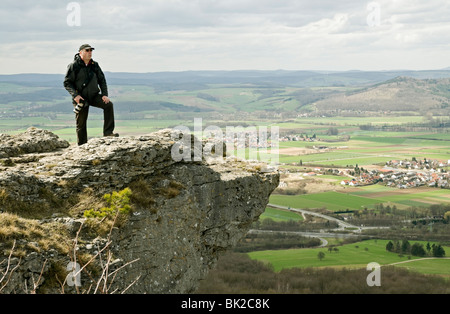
{"x": 173, "y": 35}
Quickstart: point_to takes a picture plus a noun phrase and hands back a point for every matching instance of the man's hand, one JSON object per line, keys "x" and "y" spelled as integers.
{"x": 105, "y": 99}
{"x": 78, "y": 98}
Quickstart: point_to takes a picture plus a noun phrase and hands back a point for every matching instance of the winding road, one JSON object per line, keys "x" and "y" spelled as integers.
{"x": 415, "y": 260}
{"x": 343, "y": 225}
{"x": 320, "y": 235}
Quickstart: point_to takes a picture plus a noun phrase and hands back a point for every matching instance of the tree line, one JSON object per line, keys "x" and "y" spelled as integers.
{"x": 236, "y": 273}
{"x": 416, "y": 249}
{"x": 274, "y": 241}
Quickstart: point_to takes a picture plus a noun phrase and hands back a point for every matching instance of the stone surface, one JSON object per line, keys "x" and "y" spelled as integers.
{"x": 197, "y": 210}
{"x": 32, "y": 141}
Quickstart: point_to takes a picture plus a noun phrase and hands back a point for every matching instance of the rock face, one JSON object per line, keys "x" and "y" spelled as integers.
{"x": 32, "y": 141}
{"x": 186, "y": 215}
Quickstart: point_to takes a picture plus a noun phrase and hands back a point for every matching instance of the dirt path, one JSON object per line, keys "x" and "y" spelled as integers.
{"x": 415, "y": 260}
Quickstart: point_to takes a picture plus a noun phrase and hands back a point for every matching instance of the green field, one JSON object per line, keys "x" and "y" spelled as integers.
{"x": 364, "y": 147}
{"x": 403, "y": 198}
{"x": 140, "y": 109}
{"x": 334, "y": 201}
{"x": 355, "y": 255}
{"x": 365, "y": 197}
{"x": 280, "y": 215}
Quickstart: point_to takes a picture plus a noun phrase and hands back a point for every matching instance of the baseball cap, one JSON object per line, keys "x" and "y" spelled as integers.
{"x": 86, "y": 46}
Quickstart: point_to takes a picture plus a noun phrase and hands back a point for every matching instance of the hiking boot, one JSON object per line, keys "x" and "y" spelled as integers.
{"x": 112, "y": 135}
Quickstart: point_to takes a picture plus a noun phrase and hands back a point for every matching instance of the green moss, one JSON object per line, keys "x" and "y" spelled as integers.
{"x": 117, "y": 202}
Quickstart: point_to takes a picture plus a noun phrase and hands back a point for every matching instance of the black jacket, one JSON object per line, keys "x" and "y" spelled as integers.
{"x": 76, "y": 76}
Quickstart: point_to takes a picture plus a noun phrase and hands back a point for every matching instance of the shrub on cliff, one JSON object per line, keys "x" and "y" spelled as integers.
{"x": 118, "y": 202}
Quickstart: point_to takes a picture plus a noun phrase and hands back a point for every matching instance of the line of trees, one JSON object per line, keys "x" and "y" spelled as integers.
{"x": 417, "y": 249}
{"x": 276, "y": 241}
{"x": 236, "y": 273}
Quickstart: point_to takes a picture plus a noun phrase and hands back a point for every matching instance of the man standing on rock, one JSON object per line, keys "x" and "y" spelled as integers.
{"x": 83, "y": 79}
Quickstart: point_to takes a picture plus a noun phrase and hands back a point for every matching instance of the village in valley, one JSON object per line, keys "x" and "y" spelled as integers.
{"x": 401, "y": 174}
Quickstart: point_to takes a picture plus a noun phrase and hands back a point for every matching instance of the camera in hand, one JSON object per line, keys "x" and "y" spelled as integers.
{"x": 80, "y": 106}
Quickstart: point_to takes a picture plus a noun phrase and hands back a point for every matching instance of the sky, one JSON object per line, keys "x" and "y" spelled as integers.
{"x": 181, "y": 35}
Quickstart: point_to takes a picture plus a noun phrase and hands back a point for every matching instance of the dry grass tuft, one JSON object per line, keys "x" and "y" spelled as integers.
{"x": 38, "y": 236}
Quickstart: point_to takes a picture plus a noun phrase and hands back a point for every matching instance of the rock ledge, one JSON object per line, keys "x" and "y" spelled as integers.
{"x": 195, "y": 210}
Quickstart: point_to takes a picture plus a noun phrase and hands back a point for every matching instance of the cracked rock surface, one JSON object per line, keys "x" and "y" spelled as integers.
{"x": 197, "y": 210}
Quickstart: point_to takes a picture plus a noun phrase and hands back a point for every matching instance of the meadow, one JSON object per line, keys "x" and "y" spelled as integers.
{"x": 280, "y": 215}
{"x": 358, "y": 198}
{"x": 357, "y": 141}
{"x": 369, "y": 148}
{"x": 354, "y": 255}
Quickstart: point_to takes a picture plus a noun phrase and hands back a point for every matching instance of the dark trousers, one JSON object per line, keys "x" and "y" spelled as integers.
{"x": 82, "y": 116}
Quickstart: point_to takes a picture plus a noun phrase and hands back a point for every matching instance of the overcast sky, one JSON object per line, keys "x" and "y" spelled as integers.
{"x": 178, "y": 35}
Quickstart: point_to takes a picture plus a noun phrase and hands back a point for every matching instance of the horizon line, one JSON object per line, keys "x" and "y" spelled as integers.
{"x": 243, "y": 70}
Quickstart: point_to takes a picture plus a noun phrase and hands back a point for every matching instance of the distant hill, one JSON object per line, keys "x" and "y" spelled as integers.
{"x": 267, "y": 78}
{"x": 398, "y": 94}
{"x": 272, "y": 91}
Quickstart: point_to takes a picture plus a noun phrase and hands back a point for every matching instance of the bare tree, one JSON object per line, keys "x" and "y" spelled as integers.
{"x": 104, "y": 255}
{"x": 103, "y": 258}
{"x": 8, "y": 272}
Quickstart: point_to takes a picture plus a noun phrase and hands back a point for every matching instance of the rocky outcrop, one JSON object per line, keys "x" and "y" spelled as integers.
{"x": 183, "y": 214}
{"x": 32, "y": 141}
